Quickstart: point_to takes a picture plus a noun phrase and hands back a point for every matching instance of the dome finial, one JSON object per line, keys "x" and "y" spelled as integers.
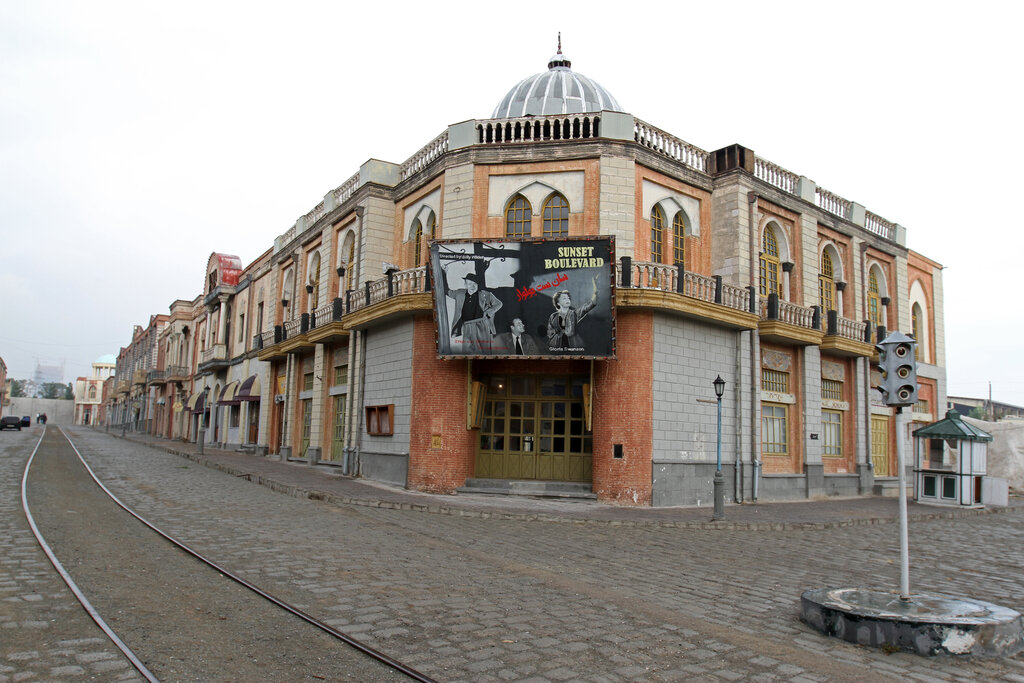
{"x": 559, "y": 60}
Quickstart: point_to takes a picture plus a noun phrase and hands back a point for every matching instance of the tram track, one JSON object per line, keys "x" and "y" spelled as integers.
{"x": 174, "y": 613}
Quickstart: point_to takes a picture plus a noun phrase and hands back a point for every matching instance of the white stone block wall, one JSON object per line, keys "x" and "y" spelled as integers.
{"x": 618, "y": 203}
{"x": 457, "y": 212}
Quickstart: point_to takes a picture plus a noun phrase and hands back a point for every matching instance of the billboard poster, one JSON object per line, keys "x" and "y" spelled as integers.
{"x": 535, "y": 298}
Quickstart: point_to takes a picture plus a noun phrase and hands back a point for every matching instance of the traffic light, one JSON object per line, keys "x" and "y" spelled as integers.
{"x": 898, "y": 366}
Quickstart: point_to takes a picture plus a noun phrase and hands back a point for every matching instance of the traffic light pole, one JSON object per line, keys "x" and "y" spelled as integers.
{"x": 904, "y": 541}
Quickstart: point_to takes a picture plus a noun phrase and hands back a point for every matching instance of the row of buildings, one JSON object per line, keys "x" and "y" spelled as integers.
{"x": 374, "y": 334}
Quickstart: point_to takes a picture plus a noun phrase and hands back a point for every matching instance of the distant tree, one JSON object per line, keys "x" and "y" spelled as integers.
{"x": 69, "y": 392}
{"x": 17, "y": 388}
{"x": 53, "y": 390}
{"x": 978, "y": 413}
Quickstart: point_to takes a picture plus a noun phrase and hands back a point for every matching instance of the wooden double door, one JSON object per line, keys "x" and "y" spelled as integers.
{"x": 534, "y": 428}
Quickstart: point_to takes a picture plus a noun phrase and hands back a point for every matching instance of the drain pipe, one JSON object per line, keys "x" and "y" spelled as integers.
{"x": 755, "y": 447}
{"x": 360, "y": 343}
{"x": 737, "y": 460}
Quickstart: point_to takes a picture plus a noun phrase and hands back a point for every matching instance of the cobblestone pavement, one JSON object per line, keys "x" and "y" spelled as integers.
{"x": 499, "y": 590}
{"x": 44, "y": 633}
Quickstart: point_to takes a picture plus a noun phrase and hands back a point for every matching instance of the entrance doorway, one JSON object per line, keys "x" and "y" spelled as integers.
{"x": 533, "y": 428}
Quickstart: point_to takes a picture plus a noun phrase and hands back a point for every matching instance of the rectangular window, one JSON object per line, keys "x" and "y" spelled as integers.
{"x": 949, "y": 488}
{"x": 832, "y": 389}
{"x": 341, "y": 375}
{"x": 380, "y": 420}
{"x": 241, "y": 327}
{"x": 930, "y": 486}
{"x": 307, "y": 426}
{"x": 832, "y": 426}
{"x": 234, "y": 412}
{"x": 774, "y": 380}
{"x": 307, "y": 382}
{"x": 774, "y": 439}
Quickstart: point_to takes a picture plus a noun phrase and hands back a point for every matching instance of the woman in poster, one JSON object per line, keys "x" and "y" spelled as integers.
{"x": 562, "y": 335}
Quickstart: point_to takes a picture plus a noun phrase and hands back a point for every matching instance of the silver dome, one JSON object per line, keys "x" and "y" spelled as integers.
{"x": 559, "y": 90}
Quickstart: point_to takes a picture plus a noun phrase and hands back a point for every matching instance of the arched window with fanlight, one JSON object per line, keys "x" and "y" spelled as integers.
{"x": 350, "y": 264}
{"x": 827, "y": 283}
{"x": 518, "y": 217}
{"x": 556, "y": 216}
{"x": 916, "y": 317}
{"x": 417, "y": 243}
{"x": 432, "y": 225}
{"x": 874, "y": 299}
{"x": 679, "y": 239}
{"x": 92, "y": 393}
{"x": 657, "y": 234}
{"x": 768, "y": 280}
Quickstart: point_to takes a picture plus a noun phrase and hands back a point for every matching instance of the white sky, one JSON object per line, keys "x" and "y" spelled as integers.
{"x": 138, "y": 137}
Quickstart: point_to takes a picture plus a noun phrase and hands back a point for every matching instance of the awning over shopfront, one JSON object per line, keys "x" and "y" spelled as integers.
{"x": 249, "y": 390}
{"x": 196, "y": 403}
{"x": 227, "y": 394}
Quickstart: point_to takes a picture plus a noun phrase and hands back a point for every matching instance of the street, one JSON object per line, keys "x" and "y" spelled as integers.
{"x": 481, "y": 598}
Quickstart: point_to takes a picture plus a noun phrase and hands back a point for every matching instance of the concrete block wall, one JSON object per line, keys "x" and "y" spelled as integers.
{"x": 389, "y": 380}
{"x": 730, "y": 233}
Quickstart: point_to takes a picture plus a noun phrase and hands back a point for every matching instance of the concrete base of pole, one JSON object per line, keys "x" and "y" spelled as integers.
{"x": 719, "y": 491}
{"x": 923, "y": 624}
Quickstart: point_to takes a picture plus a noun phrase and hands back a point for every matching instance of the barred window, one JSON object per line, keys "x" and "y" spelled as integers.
{"x": 518, "y": 216}
{"x": 774, "y": 380}
{"x": 556, "y": 216}
{"x": 341, "y": 374}
{"x": 832, "y": 426}
{"x": 657, "y": 234}
{"x": 774, "y": 440}
{"x": 832, "y": 389}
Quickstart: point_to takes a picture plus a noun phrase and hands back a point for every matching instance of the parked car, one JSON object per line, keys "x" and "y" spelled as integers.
{"x": 26, "y": 420}
{"x": 10, "y": 422}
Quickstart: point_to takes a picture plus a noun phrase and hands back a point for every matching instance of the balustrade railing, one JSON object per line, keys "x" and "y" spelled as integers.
{"x": 790, "y": 313}
{"x": 775, "y": 175}
{"x": 176, "y": 371}
{"x": 422, "y": 158}
{"x": 879, "y": 226}
{"x": 412, "y": 281}
{"x": 663, "y": 277}
{"x": 539, "y": 129}
{"x": 215, "y": 352}
{"x": 845, "y": 328}
{"x": 669, "y": 145}
{"x": 833, "y": 203}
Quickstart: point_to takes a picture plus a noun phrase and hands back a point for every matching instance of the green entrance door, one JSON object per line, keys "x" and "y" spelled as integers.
{"x": 533, "y": 428}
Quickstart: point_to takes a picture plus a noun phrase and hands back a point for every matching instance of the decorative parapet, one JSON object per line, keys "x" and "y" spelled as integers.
{"x": 412, "y": 281}
{"x": 659, "y": 276}
{"x": 418, "y": 161}
{"x": 833, "y": 203}
{"x": 670, "y": 146}
{"x": 775, "y": 176}
{"x": 881, "y": 227}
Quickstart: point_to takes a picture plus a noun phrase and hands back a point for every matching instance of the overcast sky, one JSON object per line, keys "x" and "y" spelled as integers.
{"x": 138, "y": 137}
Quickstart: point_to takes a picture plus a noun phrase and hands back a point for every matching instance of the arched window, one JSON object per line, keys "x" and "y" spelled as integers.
{"x": 92, "y": 393}
{"x": 556, "y": 216}
{"x": 826, "y": 283}
{"x": 432, "y": 225}
{"x": 874, "y": 300}
{"x": 314, "y": 279}
{"x": 417, "y": 242}
{"x": 769, "y": 281}
{"x": 517, "y": 217}
{"x": 350, "y": 264}
{"x": 915, "y": 322}
{"x": 679, "y": 239}
{"x": 657, "y": 234}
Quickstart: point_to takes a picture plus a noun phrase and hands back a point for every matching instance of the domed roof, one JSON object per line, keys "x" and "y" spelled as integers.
{"x": 559, "y": 90}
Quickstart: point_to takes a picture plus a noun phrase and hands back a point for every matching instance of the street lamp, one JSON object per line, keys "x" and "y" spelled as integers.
{"x": 719, "y": 512}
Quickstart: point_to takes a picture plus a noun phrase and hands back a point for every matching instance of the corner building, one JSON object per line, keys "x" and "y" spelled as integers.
{"x": 724, "y": 264}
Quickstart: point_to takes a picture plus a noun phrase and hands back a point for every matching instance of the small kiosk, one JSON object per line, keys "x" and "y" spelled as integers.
{"x": 951, "y": 461}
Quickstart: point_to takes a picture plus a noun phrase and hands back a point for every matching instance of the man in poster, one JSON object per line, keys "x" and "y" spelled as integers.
{"x": 516, "y": 341}
{"x": 475, "y": 309}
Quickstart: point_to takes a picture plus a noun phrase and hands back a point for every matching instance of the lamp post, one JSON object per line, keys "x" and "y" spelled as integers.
{"x": 719, "y": 490}
{"x": 201, "y": 435}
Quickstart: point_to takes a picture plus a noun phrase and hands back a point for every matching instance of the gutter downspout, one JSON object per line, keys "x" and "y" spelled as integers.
{"x": 755, "y": 448}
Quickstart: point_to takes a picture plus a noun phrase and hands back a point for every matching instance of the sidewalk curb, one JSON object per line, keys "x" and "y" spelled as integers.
{"x": 461, "y": 511}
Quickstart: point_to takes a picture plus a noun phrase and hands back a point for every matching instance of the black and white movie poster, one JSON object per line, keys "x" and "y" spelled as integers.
{"x": 524, "y": 298}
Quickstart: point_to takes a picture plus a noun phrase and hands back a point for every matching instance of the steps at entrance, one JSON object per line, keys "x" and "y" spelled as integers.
{"x": 529, "y": 487}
